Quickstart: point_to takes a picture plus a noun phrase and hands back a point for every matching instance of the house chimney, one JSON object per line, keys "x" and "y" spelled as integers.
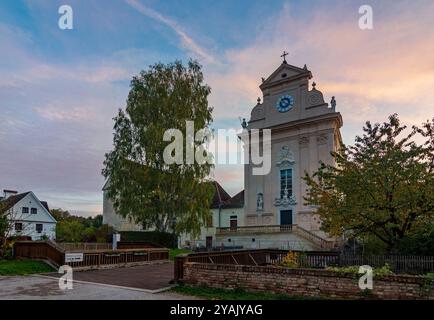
{"x": 8, "y": 193}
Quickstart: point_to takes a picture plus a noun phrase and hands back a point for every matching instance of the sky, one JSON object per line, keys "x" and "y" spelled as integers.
{"x": 60, "y": 89}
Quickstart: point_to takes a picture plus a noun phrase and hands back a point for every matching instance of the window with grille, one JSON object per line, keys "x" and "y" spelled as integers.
{"x": 285, "y": 182}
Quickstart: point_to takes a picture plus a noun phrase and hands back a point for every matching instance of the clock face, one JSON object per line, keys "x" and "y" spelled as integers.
{"x": 285, "y": 103}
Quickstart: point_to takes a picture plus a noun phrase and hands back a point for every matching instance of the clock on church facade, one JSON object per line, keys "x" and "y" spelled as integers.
{"x": 285, "y": 103}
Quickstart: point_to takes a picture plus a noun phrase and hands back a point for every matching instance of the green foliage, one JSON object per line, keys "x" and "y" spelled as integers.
{"x": 418, "y": 244}
{"x": 381, "y": 187}
{"x": 377, "y": 272}
{"x": 174, "y": 252}
{"x": 72, "y": 228}
{"x": 167, "y": 197}
{"x": 23, "y": 267}
{"x": 60, "y": 214}
{"x": 69, "y": 231}
{"x": 163, "y": 239}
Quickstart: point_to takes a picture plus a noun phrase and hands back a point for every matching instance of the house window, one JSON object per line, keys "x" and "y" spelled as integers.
{"x": 33, "y": 211}
{"x": 285, "y": 182}
{"x": 18, "y": 227}
{"x": 209, "y": 222}
{"x": 39, "y": 227}
{"x": 25, "y": 210}
{"x": 233, "y": 222}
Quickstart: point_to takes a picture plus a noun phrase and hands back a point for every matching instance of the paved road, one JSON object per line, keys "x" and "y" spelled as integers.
{"x": 149, "y": 277}
{"x": 44, "y": 288}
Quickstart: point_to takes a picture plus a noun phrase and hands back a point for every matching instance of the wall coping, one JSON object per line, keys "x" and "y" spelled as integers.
{"x": 304, "y": 271}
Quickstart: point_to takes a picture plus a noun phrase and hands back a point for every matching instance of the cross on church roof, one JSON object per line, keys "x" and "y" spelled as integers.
{"x": 284, "y": 56}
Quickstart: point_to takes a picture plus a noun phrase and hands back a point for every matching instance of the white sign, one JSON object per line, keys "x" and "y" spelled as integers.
{"x": 73, "y": 257}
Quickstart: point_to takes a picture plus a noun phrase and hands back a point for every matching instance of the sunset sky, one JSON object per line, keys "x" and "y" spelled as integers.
{"x": 60, "y": 89}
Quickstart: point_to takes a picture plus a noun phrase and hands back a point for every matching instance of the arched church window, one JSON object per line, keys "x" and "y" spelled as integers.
{"x": 286, "y": 183}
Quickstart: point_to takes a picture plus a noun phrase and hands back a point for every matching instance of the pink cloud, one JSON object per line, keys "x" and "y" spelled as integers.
{"x": 371, "y": 73}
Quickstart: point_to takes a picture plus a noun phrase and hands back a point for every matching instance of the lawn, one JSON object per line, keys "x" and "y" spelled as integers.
{"x": 237, "y": 294}
{"x": 23, "y": 267}
{"x": 174, "y": 252}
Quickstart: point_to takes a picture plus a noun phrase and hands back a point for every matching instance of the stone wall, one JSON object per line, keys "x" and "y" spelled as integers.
{"x": 305, "y": 282}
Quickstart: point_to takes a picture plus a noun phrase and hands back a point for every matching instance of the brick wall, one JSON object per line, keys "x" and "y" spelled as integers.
{"x": 305, "y": 282}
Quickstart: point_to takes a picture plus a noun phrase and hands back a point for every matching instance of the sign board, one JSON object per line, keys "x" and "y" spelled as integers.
{"x": 118, "y": 237}
{"x": 74, "y": 257}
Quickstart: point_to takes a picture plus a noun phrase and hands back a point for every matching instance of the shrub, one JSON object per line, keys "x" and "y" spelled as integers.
{"x": 377, "y": 272}
{"x": 164, "y": 239}
{"x": 290, "y": 260}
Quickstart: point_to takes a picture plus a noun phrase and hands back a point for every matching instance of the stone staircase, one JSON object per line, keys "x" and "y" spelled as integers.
{"x": 288, "y": 237}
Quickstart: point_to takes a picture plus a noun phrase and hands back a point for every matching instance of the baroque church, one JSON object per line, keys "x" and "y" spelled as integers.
{"x": 270, "y": 211}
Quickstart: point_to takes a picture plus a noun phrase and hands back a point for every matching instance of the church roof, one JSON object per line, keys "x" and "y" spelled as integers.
{"x": 224, "y": 200}
{"x": 237, "y": 201}
{"x": 220, "y": 196}
{"x": 285, "y": 73}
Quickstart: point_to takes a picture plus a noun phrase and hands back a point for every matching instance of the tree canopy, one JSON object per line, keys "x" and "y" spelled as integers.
{"x": 382, "y": 186}
{"x": 142, "y": 185}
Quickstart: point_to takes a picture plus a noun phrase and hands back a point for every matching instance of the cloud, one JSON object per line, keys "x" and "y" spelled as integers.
{"x": 371, "y": 73}
{"x": 187, "y": 42}
{"x": 61, "y": 112}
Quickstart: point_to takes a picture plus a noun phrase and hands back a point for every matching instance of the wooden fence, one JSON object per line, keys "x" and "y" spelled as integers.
{"x": 92, "y": 259}
{"x": 45, "y": 250}
{"x": 312, "y": 259}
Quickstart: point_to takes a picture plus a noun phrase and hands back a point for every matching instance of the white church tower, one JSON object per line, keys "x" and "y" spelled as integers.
{"x": 304, "y": 130}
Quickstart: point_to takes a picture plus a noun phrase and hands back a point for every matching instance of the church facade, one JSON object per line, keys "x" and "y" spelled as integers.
{"x": 304, "y": 130}
{"x": 270, "y": 212}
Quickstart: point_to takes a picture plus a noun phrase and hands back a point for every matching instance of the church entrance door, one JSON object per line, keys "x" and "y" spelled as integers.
{"x": 285, "y": 217}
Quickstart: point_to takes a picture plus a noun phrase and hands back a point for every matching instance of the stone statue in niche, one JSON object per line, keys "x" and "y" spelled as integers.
{"x": 260, "y": 202}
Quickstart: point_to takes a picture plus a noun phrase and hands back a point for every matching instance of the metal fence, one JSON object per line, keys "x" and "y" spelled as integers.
{"x": 312, "y": 259}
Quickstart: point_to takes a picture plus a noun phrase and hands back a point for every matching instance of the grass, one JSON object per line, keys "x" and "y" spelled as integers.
{"x": 23, "y": 267}
{"x": 174, "y": 252}
{"x": 236, "y": 294}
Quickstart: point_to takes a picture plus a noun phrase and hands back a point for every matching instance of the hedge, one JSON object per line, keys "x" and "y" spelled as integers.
{"x": 164, "y": 239}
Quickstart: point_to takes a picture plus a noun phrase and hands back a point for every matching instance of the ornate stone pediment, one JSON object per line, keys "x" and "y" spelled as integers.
{"x": 286, "y": 201}
{"x": 285, "y": 157}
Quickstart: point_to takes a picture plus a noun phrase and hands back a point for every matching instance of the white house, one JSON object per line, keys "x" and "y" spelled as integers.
{"x": 28, "y": 215}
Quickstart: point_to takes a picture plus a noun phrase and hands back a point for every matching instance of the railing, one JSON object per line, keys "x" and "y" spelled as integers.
{"x": 93, "y": 246}
{"x": 254, "y": 257}
{"x": 308, "y": 235}
{"x": 397, "y": 263}
{"x": 55, "y": 254}
{"x": 104, "y": 258}
{"x": 83, "y": 246}
{"x": 313, "y": 259}
{"x": 255, "y": 229}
